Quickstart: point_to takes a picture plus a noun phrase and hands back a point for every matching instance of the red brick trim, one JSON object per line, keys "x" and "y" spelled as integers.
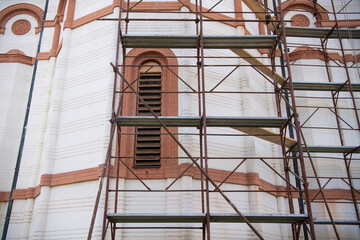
{"x": 149, "y": 6}
{"x": 21, "y": 27}
{"x": 4, "y": 196}
{"x": 16, "y": 56}
{"x": 157, "y": 6}
{"x": 93, "y": 174}
{"x": 53, "y": 180}
{"x": 92, "y": 16}
{"x": 306, "y": 52}
{"x": 43, "y": 56}
{"x": 217, "y": 16}
{"x": 238, "y": 9}
{"x": 59, "y": 179}
{"x": 70, "y": 14}
{"x": 300, "y": 20}
{"x": 21, "y": 8}
{"x": 309, "y": 53}
{"x": 306, "y": 5}
{"x": 136, "y": 57}
{"x": 56, "y": 46}
{"x": 333, "y": 194}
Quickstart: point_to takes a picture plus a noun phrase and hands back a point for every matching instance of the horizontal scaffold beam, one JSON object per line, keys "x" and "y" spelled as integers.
{"x": 191, "y": 41}
{"x": 337, "y": 222}
{"x": 330, "y": 149}
{"x": 180, "y": 121}
{"x": 319, "y": 86}
{"x": 217, "y": 217}
{"x": 321, "y": 32}
{"x": 200, "y": 217}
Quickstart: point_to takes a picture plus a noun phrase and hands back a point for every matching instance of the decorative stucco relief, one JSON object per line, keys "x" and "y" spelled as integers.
{"x": 300, "y": 20}
{"x": 21, "y": 27}
{"x": 21, "y": 8}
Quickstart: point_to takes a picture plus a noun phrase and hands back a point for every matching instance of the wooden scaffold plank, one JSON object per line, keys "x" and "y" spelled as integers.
{"x": 267, "y": 135}
{"x": 259, "y": 65}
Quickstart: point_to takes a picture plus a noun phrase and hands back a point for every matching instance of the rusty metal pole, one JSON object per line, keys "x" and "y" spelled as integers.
{"x": 188, "y": 154}
{"x": 345, "y": 65}
{"x": 106, "y": 168}
{"x": 279, "y": 114}
{"x": 118, "y": 132}
{"x": 297, "y": 125}
{"x": 204, "y": 129}
{"x": 355, "y": 109}
{"x": 321, "y": 190}
{"x": 204, "y": 224}
{"x": 282, "y": 133}
{"x": 326, "y": 61}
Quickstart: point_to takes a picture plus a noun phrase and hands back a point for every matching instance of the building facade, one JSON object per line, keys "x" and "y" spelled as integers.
{"x": 259, "y": 102}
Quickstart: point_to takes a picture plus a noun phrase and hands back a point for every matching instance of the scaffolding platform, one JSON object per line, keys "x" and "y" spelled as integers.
{"x": 321, "y": 32}
{"x": 191, "y": 41}
{"x": 330, "y": 149}
{"x": 150, "y": 121}
{"x": 320, "y": 86}
{"x": 337, "y": 222}
{"x": 200, "y": 217}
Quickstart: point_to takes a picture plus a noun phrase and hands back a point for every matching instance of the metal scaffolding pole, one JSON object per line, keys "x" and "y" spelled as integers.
{"x": 123, "y": 86}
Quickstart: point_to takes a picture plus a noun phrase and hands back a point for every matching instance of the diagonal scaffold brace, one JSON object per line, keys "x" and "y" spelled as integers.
{"x": 116, "y": 70}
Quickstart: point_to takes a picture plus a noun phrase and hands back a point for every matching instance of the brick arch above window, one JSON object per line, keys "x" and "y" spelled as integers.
{"x": 21, "y": 8}
{"x": 307, "y": 5}
{"x": 168, "y": 62}
{"x": 164, "y": 57}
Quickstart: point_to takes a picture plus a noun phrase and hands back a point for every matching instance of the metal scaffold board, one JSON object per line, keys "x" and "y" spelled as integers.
{"x": 200, "y": 217}
{"x": 330, "y": 149}
{"x": 321, "y": 32}
{"x": 191, "y": 41}
{"x": 150, "y": 121}
{"x": 319, "y": 86}
{"x": 337, "y": 222}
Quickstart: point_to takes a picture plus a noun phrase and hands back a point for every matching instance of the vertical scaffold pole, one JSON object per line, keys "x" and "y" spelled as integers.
{"x": 205, "y": 224}
{"x": 204, "y": 129}
{"x": 296, "y": 123}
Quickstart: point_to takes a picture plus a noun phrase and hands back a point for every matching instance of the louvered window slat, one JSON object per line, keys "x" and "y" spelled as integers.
{"x": 148, "y": 144}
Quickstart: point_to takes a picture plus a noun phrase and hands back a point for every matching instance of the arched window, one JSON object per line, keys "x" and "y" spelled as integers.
{"x": 147, "y": 139}
{"x": 139, "y": 146}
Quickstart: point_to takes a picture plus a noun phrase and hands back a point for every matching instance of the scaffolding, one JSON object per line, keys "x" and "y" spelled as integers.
{"x": 298, "y": 159}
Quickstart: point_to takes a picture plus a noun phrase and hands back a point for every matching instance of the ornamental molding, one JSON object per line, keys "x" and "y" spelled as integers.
{"x": 300, "y": 20}
{"x": 21, "y": 8}
{"x": 21, "y": 27}
{"x": 307, "y": 5}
